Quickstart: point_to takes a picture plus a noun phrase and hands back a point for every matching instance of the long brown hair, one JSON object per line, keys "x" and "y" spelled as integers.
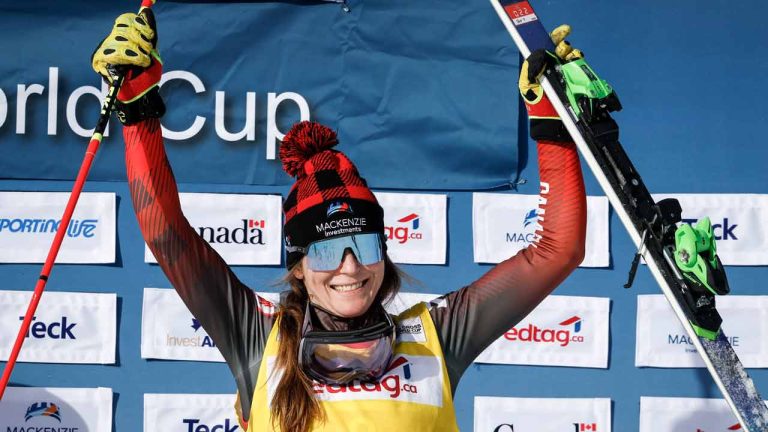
{"x": 294, "y": 407}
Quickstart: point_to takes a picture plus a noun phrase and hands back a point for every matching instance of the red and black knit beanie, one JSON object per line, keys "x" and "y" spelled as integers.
{"x": 329, "y": 198}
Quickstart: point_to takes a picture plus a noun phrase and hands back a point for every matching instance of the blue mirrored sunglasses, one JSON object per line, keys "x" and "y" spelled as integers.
{"x": 326, "y": 255}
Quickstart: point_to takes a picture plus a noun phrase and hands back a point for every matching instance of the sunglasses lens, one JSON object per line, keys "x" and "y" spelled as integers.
{"x": 326, "y": 255}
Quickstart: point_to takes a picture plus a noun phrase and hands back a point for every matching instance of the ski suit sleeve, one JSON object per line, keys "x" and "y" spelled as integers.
{"x": 470, "y": 319}
{"x": 237, "y": 320}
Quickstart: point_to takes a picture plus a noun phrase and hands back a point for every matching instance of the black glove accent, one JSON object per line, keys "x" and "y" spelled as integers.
{"x": 149, "y": 106}
{"x": 549, "y": 130}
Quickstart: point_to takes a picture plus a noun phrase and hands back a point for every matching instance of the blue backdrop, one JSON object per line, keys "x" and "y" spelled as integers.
{"x": 405, "y": 84}
{"x": 690, "y": 75}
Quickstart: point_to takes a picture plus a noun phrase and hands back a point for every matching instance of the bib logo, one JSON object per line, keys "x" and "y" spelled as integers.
{"x": 194, "y": 425}
{"x": 721, "y": 231}
{"x": 56, "y": 330}
{"x": 504, "y": 427}
{"x": 527, "y": 235}
{"x": 77, "y": 227}
{"x": 194, "y": 341}
{"x": 249, "y": 232}
{"x": 389, "y": 384}
{"x": 533, "y": 333}
{"x": 409, "y": 378}
{"x": 43, "y": 409}
{"x": 404, "y": 233}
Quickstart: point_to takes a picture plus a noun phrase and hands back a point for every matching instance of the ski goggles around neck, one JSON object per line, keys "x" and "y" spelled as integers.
{"x": 340, "y": 357}
{"x": 326, "y": 255}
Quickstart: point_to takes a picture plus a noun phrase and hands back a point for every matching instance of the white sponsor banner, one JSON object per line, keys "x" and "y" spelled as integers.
{"x": 506, "y": 414}
{"x": 662, "y": 341}
{"x": 561, "y": 331}
{"x": 415, "y": 227}
{"x": 190, "y": 412}
{"x": 739, "y": 223}
{"x": 56, "y": 409}
{"x": 169, "y": 331}
{"x": 243, "y": 229}
{"x": 666, "y": 414}
{"x": 29, "y": 221}
{"x": 66, "y": 328}
{"x": 504, "y": 224}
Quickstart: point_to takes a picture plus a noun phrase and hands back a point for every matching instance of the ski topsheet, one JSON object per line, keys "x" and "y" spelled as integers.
{"x": 649, "y": 224}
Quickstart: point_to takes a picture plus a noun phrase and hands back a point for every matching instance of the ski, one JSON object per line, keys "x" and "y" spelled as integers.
{"x": 683, "y": 259}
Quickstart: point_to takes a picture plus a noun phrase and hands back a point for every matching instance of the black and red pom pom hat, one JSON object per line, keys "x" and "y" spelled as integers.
{"x": 328, "y": 201}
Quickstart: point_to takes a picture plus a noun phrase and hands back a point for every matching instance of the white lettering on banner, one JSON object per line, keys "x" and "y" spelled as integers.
{"x": 243, "y": 229}
{"x": 29, "y": 221}
{"x": 273, "y": 103}
{"x": 98, "y": 94}
{"x": 409, "y": 378}
{"x": 686, "y": 414}
{"x": 3, "y": 108}
{"x": 504, "y": 224}
{"x": 501, "y": 414}
{"x": 38, "y": 409}
{"x": 67, "y": 327}
{"x": 739, "y": 223}
{"x": 189, "y": 413}
{"x": 561, "y": 331}
{"x": 662, "y": 341}
{"x": 26, "y": 92}
{"x": 415, "y": 226}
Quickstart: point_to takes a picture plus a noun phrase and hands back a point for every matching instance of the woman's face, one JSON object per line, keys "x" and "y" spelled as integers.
{"x": 347, "y": 291}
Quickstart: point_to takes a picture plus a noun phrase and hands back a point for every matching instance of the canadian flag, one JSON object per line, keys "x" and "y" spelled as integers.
{"x": 591, "y": 427}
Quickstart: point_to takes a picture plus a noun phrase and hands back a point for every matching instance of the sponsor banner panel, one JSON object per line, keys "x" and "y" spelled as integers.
{"x": 67, "y": 327}
{"x": 243, "y": 229}
{"x": 686, "y": 414}
{"x": 190, "y": 412}
{"x": 169, "y": 331}
{"x": 739, "y": 223}
{"x": 56, "y": 409}
{"x": 30, "y": 220}
{"x": 504, "y": 224}
{"x": 506, "y": 414}
{"x": 662, "y": 341}
{"x": 415, "y": 227}
{"x": 561, "y": 331}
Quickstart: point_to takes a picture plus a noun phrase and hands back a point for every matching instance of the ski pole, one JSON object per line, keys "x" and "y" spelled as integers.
{"x": 90, "y": 153}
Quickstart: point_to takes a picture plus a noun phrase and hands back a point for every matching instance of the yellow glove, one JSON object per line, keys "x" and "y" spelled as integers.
{"x": 130, "y": 43}
{"x": 534, "y": 65}
{"x": 131, "y": 46}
